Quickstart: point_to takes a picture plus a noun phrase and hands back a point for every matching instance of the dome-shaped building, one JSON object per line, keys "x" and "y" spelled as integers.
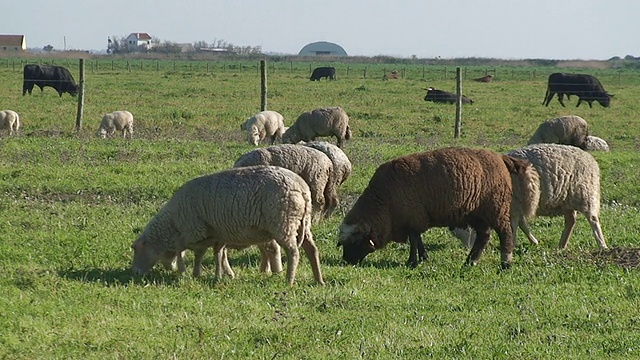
{"x": 322, "y": 48}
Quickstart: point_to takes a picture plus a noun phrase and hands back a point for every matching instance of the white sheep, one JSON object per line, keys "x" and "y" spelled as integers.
{"x": 236, "y": 208}
{"x": 568, "y": 130}
{"x": 265, "y": 124}
{"x": 117, "y": 120}
{"x": 341, "y": 163}
{"x": 331, "y": 121}
{"x": 311, "y": 164}
{"x": 569, "y": 182}
{"x": 595, "y": 143}
{"x": 10, "y": 120}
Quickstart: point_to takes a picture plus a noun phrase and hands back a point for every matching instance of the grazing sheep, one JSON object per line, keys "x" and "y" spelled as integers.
{"x": 331, "y": 121}
{"x": 595, "y": 143}
{"x": 265, "y": 124}
{"x": 117, "y": 120}
{"x": 445, "y": 187}
{"x": 311, "y": 164}
{"x": 569, "y": 182}
{"x": 235, "y": 208}
{"x": 10, "y": 120}
{"x": 567, "y": 130}
{"x": 341, "y": 163}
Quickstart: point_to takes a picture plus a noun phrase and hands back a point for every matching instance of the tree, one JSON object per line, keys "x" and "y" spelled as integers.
{"x": 117, "y": 44}
{"x": 48, "y": 48}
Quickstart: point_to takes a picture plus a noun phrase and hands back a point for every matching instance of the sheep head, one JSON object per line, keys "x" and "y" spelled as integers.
{"x": 356, "y": 242}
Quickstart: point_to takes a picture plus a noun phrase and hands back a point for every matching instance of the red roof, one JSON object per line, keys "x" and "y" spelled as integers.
{"x": 11, "y": 40}
{"x": 141, "y": 36}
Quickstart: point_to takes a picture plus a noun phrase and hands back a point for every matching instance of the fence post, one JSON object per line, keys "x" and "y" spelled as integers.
{"x": 128, "y": 66}
{"x": 263, "y": 87}
{"x": 458, "y": 125}
{"x": 80, "y": 97}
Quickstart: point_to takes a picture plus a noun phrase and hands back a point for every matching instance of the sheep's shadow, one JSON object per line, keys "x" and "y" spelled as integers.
{"x": 380, "y": 261}
{"x": 120, "y": 277}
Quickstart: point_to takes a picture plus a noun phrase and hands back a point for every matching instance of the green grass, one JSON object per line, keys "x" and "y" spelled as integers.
{"x": 71, "y": 204}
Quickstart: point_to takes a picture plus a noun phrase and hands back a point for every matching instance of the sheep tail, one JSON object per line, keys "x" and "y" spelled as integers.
{"x": 526, "y": 186}
{"x": 347, "y": 134}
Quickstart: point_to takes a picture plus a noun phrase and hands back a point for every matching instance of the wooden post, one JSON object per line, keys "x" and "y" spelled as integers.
{"x": 263, "y": 87}
{"x": 458, "y": 125}
{"x": 128, "y": 66}
{"x": 80, "y": 97}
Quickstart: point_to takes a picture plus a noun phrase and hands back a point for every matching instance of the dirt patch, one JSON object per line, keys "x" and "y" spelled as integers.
{"x": 628, "y": 258}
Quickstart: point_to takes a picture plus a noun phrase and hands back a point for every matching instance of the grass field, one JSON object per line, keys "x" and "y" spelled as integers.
{"x": 71, "y": 204}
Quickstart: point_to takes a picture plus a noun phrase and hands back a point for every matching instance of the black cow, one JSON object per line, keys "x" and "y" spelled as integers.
{"x": 327, "y": 72}
{"x": 441, "y": 96}
{"x": 586, "y": 87}
{"x": 57, "y": 77}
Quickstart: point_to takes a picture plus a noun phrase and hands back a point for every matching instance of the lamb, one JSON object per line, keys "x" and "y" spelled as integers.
{"x": 331, "y": 121}
{"x": 10, "y": 120}
{"x": 236, "y": 207}
{"x": 311, "y": 164}
{"x": 568, "y": 130}
{"x": 265, "y": 124}
{"x": 445, "y": 187}
{"x": 569, "y": 182}
{"x": 117, "y": 120}
{"x": 595, "y": 143}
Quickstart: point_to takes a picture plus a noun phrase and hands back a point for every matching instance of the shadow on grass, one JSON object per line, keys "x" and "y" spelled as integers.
{"x": 121, "y": 277}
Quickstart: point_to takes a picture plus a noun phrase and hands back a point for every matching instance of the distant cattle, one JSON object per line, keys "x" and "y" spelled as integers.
{"x": 440, "y": 96}
{"x": 586, "y": 87}
{"x": 57, "y": 77}
{"x": 327, "y": 72}
{"x": 486, "y": 78}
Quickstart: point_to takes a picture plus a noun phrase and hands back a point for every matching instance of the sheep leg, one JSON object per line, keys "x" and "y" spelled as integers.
{"x": 527, "y": 231}
{"x": 310, "y": 249}
{"x": 482, "y": 238}
{"x": 597, "y": 231}
{"x": 417, "y": 252}
{"x": 197, "y": 261}
{"x": 270, "y": 257}
{"x": 222, "y": 262}
{"x": 293, "y": 257}
{"x": 569, "y": 224}
{"x": 506, "y": 246}
{"x": 330, "y": 198}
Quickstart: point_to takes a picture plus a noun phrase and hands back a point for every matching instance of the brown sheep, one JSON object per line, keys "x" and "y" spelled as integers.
{"x": 445, "y": 187}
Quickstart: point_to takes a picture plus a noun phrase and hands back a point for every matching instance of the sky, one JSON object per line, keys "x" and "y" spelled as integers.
{"x": 505, "y": 29}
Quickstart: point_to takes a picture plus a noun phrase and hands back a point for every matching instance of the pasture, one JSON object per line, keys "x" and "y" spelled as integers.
{"x": 71, "y": 204}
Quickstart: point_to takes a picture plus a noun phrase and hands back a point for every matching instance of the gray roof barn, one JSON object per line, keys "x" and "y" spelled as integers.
{"x": 322, "y": 48}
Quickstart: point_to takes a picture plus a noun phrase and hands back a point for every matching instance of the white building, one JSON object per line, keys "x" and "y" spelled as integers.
{"x": 137, "y": 40}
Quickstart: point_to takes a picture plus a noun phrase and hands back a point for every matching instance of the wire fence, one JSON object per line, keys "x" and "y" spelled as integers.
{"x": 304, "y": 69}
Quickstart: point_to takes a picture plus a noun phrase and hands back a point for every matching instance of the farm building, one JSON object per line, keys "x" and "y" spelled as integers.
{"x": 322, "y": 48}
{"x": 137, "y": 40}
{"x": 13, "y": 43}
